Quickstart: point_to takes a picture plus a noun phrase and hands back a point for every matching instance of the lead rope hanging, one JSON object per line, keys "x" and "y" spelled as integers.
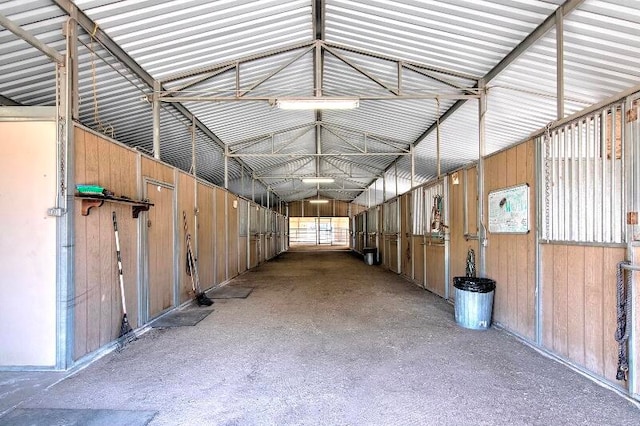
{"x": 623, "y": 313}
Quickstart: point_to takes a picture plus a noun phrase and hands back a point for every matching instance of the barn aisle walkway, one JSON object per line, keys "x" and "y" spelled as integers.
{"x": 324, "y": 339}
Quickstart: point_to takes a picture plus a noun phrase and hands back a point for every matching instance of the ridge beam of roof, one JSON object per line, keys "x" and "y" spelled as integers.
{"x": 234, "y": 62}
{"x": 361, "y": 70}
{"x": 565, "y": 9}
{"x": 123, "y": 57}
{"x": 26, "y": 36}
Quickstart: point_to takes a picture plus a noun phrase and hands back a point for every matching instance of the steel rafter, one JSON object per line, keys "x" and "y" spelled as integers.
{"x": 565, "y": 9}
{"x": 123, "y": 57}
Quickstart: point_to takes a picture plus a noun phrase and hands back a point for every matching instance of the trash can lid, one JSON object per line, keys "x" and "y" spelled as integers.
{"x": 369, "y": 250}
{"x": 474, "y": 284}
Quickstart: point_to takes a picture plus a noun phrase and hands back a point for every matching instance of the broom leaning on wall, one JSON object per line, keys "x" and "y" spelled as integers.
{"x": 126, "y": 332}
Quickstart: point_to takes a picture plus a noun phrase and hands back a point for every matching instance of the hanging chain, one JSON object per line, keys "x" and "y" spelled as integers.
{"x": 623, "y": 316}
{"x": 547, "y": 180}
{"x": 62, "y": 139}
{"x": 63, "y": 152}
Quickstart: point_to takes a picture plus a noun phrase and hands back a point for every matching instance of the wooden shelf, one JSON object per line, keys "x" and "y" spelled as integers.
{"x": 90, "y": 201}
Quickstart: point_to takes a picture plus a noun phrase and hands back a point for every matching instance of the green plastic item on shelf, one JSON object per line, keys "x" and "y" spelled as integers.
{"x": 89, "y": 189}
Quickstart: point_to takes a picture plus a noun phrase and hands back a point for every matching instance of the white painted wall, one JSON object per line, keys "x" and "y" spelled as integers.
{"x": 27, "y": 243}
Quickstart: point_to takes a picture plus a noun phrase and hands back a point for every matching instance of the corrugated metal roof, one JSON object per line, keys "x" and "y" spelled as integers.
{"x": 464, "y": 39}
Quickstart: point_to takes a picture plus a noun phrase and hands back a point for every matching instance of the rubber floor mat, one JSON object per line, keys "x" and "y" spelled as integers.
{"x": 230, "y": 292}
{"x": 73, "y": 417}
{"x": 186, "y": 318}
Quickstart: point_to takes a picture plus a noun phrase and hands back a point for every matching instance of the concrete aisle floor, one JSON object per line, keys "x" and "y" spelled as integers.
{"x": 326, "y": 340}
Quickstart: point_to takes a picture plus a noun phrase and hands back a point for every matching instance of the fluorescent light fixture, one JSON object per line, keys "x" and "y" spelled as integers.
{"x": 318, "y": 103}
{"x": 317, "y": 180}
{"x": 318, "y": 201}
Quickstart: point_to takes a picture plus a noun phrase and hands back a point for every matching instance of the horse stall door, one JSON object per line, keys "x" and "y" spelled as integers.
{"x": 160, "y": 286}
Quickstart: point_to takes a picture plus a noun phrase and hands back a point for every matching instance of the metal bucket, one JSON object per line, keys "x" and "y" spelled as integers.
{"x": 369, "y": 255}
{"x": 368, "y": 258}
{"x": 474, "y": 302}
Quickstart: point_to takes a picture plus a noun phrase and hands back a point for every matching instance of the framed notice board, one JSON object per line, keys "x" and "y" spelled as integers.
{"x": 509, "y": 210}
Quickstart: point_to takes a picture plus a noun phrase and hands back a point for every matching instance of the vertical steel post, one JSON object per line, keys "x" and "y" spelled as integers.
{"x": 395, "y": 171}
{"x": 226, "y": 167}
{"x": 193, "y": 145}
{"x": 482, "y": 231}
{"x": 67, "y": 100}
{"x": 242, "y": 181}
{"x": 438, "y": 160}
{"x": 413, "y": 166}
{"x": 384, "y": 188}
{"x": 560, "y": 62}
{"x": 156, "y": 119}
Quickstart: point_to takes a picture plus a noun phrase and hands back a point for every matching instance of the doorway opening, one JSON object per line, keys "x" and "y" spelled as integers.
{"x": 319, "y": 231}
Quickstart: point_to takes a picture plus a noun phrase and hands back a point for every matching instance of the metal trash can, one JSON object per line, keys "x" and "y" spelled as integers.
{"x": 369, "y": 255}
{"x": 474, "y": 302}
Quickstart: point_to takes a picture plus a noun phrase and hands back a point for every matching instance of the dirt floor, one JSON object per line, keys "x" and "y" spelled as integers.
{"x": 324, "y": 339}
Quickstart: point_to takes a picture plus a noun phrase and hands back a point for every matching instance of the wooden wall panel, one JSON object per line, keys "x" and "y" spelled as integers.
{"x": 435, "y": 269}
{"x": 161, "y": 267}
{"x": 206, "y": 236}
{"x": 98, "y": 310}
{"x": 405, "y": 235}
{"x": 157, "y": 171}
{"x": 419, "y": 260}
{"x": 356, "y": 209}
{"x": 578, "y": 285}
{"x": 186, "y": 205}
{"x": 295, "y": 209}
{"x": 243, "y": 254}
{"x": 341, "y": 209}
{"x": 335, "y": 208}
{"x": 472, "y": 199}
{"x": 325, "y": 210}
{"x": 511, "y": 258}
{"x": 221, "y": 230}
{"x": 253, "y": 252}
{"x": 232, "y": 245}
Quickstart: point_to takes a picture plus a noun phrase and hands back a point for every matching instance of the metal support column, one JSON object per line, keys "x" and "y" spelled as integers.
{"x": 156, "y": 119}
{"x": 482, "y": 231}
{"x": 560, "y": 62}
{"x": 395, "y": 171}
{"x": 413, "y": 166}
{"x": 67, "y": 99}
{"x": 384, "y": 188}
{"x": 193, "y": 145}
{"x": 226, "y": 167}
